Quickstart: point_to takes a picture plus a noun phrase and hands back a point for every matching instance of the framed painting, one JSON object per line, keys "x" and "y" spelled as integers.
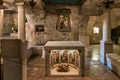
{"x": 39, "y": 28}
{"x": 63, "y": 20}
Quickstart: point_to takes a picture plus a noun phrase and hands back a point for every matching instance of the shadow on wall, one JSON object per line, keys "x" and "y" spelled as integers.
{"x": 115, "y": 35}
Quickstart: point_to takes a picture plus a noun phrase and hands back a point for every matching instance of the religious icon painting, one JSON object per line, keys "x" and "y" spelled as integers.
{"x": 63, "y": 21}
{"x": 39, "y": 28}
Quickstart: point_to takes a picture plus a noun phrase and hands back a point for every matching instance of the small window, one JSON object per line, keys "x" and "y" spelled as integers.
{"x": 96, "y": 30}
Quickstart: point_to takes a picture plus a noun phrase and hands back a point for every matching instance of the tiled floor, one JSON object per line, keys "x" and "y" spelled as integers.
{"x": 94, "y": 70}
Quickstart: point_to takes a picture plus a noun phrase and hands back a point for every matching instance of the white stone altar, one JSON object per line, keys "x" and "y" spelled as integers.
{"x": 59, "y": 65}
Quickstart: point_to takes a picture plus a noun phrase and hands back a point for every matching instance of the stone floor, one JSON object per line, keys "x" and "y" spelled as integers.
{"x": 94, "y": 70}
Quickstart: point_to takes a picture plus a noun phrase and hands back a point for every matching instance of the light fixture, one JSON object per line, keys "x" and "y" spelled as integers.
{"x": 107, "y": 3}
{"x": 96, "y": 30}
{"x": 32, "y": 3}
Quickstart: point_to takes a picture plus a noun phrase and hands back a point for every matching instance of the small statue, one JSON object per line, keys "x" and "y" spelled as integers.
{"x": 63, "y": 68}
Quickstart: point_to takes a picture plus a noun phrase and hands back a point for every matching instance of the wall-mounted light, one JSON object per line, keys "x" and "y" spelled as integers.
{"x": 32, "y": 3}
{"x": 107, "y": 3}
{"x": 96, "y": 30}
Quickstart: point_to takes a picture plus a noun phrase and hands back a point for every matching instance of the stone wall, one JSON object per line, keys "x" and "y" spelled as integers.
{"x": 48, "y": 18}
{"x": 8, "y": 21}
{"x": 115, "y": 17}
{"x": 97, "y": 21}
{"x": 94, "y": 21}
{"x": 81, "y": 24}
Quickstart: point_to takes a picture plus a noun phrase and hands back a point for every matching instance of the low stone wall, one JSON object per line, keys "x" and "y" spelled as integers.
{"x": 35, "y": 50}
{"x": 113, "y": 63}
{"x": 30, "y": 52}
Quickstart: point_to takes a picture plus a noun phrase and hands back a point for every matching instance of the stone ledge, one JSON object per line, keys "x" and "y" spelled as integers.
{"x": 37, "y": 50}
{"x": 113, "y": 63}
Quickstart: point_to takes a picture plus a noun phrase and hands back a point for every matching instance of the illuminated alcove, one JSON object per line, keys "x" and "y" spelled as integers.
{"x": 64, "y": 62}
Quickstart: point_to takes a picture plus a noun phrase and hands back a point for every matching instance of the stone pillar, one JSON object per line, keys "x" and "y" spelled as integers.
{"x": 22, "y": 36}
{"x": 21, "y": 21}
{"x": 1, "y": 33}
{"x": 84, "y": 38}
{"x": 1, "y": 22}
{"x": 75, "y": 36}
{"x": 106, "y": 45}
{"x": 107, "y": 26}
{"x": 24, "y": 59}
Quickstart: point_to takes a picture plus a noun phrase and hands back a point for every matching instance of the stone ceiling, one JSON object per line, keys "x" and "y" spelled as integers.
{"x": 68, "y": 2}
{"x": 97, "y": 7}
{"x": 90, "y": 7}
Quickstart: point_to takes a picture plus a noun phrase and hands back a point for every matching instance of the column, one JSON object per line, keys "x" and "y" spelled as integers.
{"x": 21, "y": 21}
{"x": 24, "y": 59}
{"x": 1, "y": 33}
{"x": 1, "y": 22}
{"x": 107, "y": 26}
{"x": 106, "y": 45}
{"x": 83, "y": 37}
{"x": 22, "y": 36}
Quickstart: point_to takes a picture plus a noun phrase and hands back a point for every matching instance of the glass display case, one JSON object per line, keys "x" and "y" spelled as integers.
{"x": 64, "y": 58}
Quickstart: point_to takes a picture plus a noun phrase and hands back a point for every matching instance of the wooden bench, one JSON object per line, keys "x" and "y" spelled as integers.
{"x": 113, "y": 63}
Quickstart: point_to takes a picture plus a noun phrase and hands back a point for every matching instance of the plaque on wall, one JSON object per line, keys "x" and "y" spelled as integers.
{"x": 63, "y": 20}
{"x": 39, "y": 28}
